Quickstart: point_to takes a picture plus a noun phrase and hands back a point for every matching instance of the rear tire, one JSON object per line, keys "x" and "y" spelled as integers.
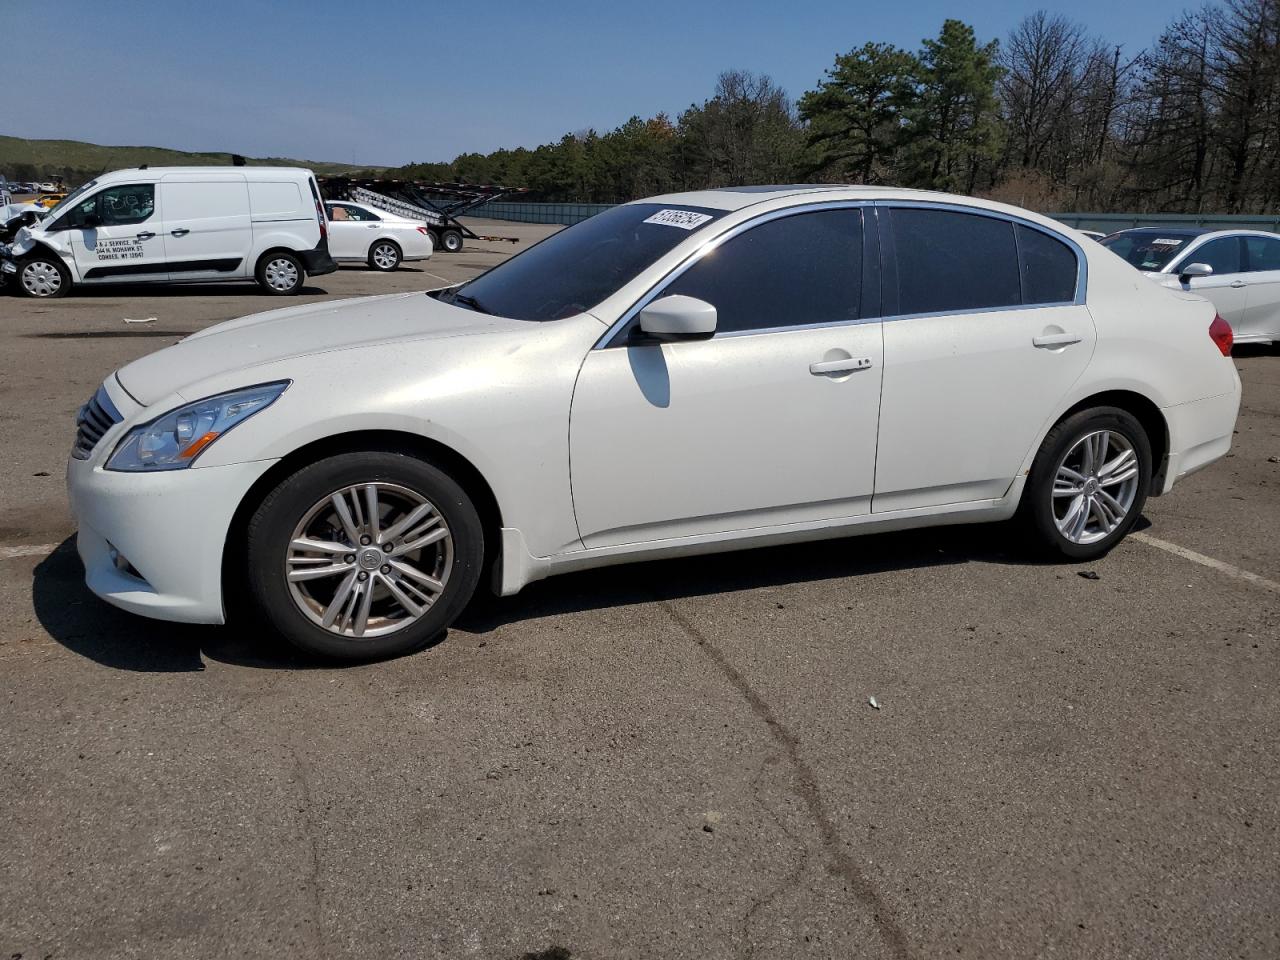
{"x": 385, "y": 256}
{"x": 280, "y": 273}
{"x": 400, "y": 596}
{"x": 1088, "y": 483}
{"x": 451, "y": 241}
{"x": 42, "y": 277}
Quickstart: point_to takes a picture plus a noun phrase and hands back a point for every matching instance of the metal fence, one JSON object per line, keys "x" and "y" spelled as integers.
{"x": 1106, "y": 222}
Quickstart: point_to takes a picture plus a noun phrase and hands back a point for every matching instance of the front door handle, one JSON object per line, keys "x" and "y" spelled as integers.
{"x": 1237, "y": 284}
{"x": 180, "y": 232}
{"x": 1056, "y": 339}
{"x": 843, "y": 365}
{"x": 146, "y": 236}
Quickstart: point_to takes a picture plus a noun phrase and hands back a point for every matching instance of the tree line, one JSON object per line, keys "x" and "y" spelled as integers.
{"x": 1052, "y": 117}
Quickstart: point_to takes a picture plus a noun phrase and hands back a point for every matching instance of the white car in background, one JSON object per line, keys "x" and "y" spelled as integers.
{"x": 1238, "y": 271}
{"x": 692, "y": 373}
{"x": 359, "y": 233}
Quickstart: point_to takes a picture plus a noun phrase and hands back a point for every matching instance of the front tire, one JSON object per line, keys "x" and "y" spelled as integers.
{"x": 1089, "y": 483}
{"x": 43, "y": 277}
{"x": 385, "y": 255}
{"x": 364, "y": 555}
{"x": 280, "y": 273}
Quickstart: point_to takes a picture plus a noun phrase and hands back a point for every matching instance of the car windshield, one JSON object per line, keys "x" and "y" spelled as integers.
{"x": 573, "y": 270}
{"x": 1146, "y": 251}
{"x": 70, "y": 199}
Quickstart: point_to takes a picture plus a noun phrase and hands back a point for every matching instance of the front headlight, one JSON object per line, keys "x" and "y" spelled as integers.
{"x": 173, "y": 441}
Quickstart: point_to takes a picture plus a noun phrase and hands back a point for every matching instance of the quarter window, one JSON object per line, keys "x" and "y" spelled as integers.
{"x": 1222, "y": 254}
{"x": 1261, "y": 253}
{"x": 949, "y": 261}
{"x": 793, "y": 271}
{"x": 1048, "y": 267}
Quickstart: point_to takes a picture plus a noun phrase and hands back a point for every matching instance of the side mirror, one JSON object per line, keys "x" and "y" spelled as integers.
{"x": 91, "y": 221}
{"x": 1192, "y": 270}
{"x": 678, "y": 318}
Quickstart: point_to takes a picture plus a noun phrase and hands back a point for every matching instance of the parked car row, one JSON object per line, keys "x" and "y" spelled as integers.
{"x": 194, "y": 224}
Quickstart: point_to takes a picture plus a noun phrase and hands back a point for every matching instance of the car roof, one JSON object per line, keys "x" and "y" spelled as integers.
{"x": 735, "y": 198}
{"x": 1183, "y": 232}
{"x": 131, "y": 173}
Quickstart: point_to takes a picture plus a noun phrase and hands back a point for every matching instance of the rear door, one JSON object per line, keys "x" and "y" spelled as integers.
{"x": 207, "y": 228}
{"x": 985, "y": 331}
{"x": 1262, "y": 269}
{"x": 1227, "y": 288}
{"x": 117, "y": 234}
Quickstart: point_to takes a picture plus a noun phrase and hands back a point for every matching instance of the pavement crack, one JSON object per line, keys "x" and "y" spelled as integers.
{"x": 313, "y": 882}
{"x": 805, "y": 787}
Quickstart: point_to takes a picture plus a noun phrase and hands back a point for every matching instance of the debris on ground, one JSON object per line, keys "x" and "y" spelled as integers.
{"x": 1089, "y": 574}
{"x": 143, "y": 320}
{"x": 1273, "y": 459}
{"x": 873, "y": 702}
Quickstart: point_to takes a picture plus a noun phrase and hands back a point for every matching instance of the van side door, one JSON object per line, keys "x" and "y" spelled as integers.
{"x": 207, "y": 230}
{"x": 115, "y": 235}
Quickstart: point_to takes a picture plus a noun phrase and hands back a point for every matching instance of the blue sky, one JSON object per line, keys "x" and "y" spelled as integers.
{"x": 319, "y": 81}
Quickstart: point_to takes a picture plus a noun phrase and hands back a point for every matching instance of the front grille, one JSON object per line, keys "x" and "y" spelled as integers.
{"x": 93, "y": 420}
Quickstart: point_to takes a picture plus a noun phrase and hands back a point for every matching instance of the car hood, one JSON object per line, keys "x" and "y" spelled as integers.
{"x": 296, "y": 332}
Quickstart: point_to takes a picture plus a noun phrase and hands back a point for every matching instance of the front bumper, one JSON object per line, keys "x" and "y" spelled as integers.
{"x": 170, "y": 527}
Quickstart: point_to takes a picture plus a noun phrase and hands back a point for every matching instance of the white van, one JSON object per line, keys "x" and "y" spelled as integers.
{"x": 176, "y": 225}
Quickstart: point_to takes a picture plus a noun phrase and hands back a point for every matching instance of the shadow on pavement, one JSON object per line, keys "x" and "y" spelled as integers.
{"x": 94, "y": 629}
{"x": 242, "y": 289}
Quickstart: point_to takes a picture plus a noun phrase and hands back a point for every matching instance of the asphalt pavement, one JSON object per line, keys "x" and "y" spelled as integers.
{"x": 663, "y": 760}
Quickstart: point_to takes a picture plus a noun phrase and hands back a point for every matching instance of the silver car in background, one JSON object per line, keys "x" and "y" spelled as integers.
{"x": 1238, "y": 271}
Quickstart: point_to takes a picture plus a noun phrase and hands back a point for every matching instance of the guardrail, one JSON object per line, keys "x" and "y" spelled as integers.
{"x": 568, "y": 213}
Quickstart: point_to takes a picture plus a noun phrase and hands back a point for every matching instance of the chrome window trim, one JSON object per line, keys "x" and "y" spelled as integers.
{"x": 1082, "y": 267}
{"x": 656, "y": 290}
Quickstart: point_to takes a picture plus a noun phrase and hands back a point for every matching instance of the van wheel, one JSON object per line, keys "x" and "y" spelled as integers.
{"x": 451, "y": 241}
{"x": 364, "y": 555}
{"x": 280, "y": 273}
{"x": 44, "y": 277}
{"x": 384, "y": 255}
{"x": 1088, "y": 483}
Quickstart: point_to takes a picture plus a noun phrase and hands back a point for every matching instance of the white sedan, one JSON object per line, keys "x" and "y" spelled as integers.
{"x": 362, "y": 234}
{"x": 1238, "y": 271}
{"x": 687, "y": 374}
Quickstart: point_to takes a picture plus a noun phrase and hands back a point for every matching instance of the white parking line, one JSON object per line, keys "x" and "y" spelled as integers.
{"x": 1204, "y": 561}
{"x": 438, "y": 277}
{"x": 28, "y": 550}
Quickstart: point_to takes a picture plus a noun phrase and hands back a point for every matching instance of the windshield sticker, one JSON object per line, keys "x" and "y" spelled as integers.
{"x": 684, "y": 219}
{"x": 1166, "y": 243}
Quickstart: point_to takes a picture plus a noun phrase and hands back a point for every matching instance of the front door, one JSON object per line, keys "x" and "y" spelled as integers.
{"x": 985, "y": 332}
{"x": 117, "y": 235}
{"x": 772, "y": 421}
{"x": 351, "y": 231}
{"x": 1227, "y": 288}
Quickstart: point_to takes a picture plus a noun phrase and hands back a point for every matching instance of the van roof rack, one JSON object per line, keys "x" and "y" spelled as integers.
{"x": 437, "y": 204}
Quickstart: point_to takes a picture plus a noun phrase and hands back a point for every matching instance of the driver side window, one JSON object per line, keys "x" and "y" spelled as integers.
{"x": 115, "y": 206}
{"x": 1222, "y": 254}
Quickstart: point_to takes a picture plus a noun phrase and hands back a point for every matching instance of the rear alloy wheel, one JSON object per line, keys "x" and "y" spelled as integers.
{"x": 1089, "y": 482}
{"x": 384, "y": 255}
{"x": 364, "y": 555}
{"x": 280, "y": 274}
{"x": 43, "y": 277}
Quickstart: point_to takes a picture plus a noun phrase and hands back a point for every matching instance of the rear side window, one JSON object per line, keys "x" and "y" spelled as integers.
{"x": 1048, "y": 267}
{"x": 797, "y": 270}
{"x": 948, "y": 261}
{"x": 1261, "y": 253}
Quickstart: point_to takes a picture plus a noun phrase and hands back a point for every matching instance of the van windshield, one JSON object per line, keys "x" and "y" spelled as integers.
{"x": 573, "y": 270}
{"x": 70, "y": 199}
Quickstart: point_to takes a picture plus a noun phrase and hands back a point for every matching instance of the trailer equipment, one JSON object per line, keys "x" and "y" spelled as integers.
{"x": 438, "y": 205}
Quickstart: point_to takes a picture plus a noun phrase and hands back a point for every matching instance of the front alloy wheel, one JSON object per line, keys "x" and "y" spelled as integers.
{"x": 364, "y": 555}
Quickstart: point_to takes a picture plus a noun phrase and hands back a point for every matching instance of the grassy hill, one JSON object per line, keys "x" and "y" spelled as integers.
{"x": 76, "y": 161}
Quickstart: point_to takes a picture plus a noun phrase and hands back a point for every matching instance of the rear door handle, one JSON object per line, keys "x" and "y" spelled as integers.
{"x": 180, "y": 232}
{"x": 1056, "y": 339}
{"x": 1237, "y": 284}
{"x": 146, "y": 236}
{"x": 843, "y": 365}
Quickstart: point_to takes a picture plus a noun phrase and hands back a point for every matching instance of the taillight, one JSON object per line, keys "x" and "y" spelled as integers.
{"x": 324, "y": 224}
{"x": 424, "y": 231}
{"x": 1220, "y": 333}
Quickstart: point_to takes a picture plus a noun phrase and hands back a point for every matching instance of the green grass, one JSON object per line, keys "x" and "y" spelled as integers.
{"x": 75, "y": 160}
